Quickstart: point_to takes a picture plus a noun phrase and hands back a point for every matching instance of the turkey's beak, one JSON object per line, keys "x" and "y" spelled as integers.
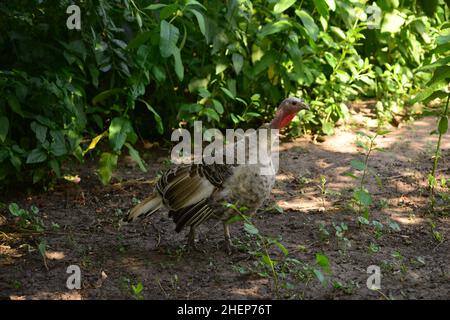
{"x": 301, "y": 105}
{"x": 304, "y": 106}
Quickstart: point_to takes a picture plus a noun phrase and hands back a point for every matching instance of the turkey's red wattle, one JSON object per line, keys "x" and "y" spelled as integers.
{"x": 282, "y": 121}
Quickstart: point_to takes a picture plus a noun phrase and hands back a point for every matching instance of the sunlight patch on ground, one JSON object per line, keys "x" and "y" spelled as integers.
{"x": 253, "y": 291}
{"x": 10, "y": 252}
{"x": 44, "y": 295}
{"x": 304, "y": 204}
{"x": 398, "y": 215}
{"x": 283, "y": 177}
{"x": 55, "y": 255}
{"x": 344, "y": 142}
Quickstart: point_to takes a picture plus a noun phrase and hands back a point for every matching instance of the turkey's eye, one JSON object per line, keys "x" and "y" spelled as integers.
{"x": 294, "y": 103}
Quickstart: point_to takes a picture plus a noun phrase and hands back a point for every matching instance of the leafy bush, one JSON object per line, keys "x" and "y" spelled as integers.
{"x": 137, "y": 69}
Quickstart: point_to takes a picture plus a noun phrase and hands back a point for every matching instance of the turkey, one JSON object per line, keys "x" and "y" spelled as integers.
{"x": 194, "y": 193}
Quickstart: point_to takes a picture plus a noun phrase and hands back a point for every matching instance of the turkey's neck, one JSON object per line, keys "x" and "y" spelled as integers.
{"x": 281, "y": 119}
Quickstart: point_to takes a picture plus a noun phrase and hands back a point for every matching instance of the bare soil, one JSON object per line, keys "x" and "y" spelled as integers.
{"x": 413, "y": 263}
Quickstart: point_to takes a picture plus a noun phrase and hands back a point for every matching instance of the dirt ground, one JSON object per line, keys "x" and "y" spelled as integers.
{"x": 413, "y": 263}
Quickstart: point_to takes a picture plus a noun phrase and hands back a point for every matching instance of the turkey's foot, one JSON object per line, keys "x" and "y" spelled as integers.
{"x": 191, "y": 241}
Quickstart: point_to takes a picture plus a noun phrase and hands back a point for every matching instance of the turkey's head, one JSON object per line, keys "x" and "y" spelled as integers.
{"x": 287, "y": 110}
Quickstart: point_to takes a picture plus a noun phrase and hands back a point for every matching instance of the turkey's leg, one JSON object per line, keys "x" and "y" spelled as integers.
{"x": 191, "y": 238}
{"x": 226, "y": 232}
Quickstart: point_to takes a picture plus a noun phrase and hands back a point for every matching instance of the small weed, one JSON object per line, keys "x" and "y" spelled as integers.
{"x": 136, "y": 291}
{"x": 361, "y": 195}
{"x": 437, "y": 236}
{"x": 346, "y": 288}
{"x": 27, "y": 220}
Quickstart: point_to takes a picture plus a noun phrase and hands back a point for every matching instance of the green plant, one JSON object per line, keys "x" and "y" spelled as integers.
{"x": 266, "y": 265}
{"x": 137, "y": 69}
{"x": 324, "y": 234}
{"x": 437, "y": 88}
{"x": 42, "y": 248}
{"x": 341, "y": 230}
{"x": 362, "y": 196}
{"x": 437, "y": 236}
{"x": 28, "y": 220}
{"x": 263, "y": 242}
{"x": 345, "y": 287}
{"x": 323, "y": 262}
{"x": 136, "y": 291}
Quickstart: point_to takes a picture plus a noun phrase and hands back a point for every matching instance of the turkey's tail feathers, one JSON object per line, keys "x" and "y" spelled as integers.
{"x": 147, "y": 207}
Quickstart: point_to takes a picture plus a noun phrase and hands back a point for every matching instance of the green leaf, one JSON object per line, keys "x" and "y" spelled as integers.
{"x": 139, "y": 40}
{"x": 331, "y": 59}
{"x": 363, "y": 197}
{"x": 273, "y": 28}
{"x": 218, "y": 106}
{"x": 54, "y": 164}
{"x": 392, "y": 22}
{"x": 238, "y": 62}
{"x": 428, "y": 91}
{"x": 42, "y": 247}
{"x": 363, "y": 221}
{"x": 443, "y": 125}
{"x": 235, "y": 219}
{"x": 108, "y": 163}
{"x": 15, "y": 210}
{"x": 319, "y": 275}
{"x": 201, "y": 22}
{"x": 169, "y": 35}
{"x": 15, "y": 160}
{"x": 328, "y": 128}
{"x": 134, "y": 154}
{"x": 195, "y": 3}
{"x": 322, "y": 8}
{"x": 331, "y": 4}
{"x": 337, "y": 31}
{"x": 190, "y": 108}
{"x": 179, "y": 69}
{"x": 155, "y": 6}
{"x": 212, "y": 114}
{"x": 4, "y": 128}
{"x": 15, "y": 105}
{"x": 322, "y": 260}
{"x": 358, "y": 165}
{"x": 106, "y": 94}
{"x": 282, "y": 5}
{"x": 234, "y": 118}
{"x": 36, "y": 156}
{"x": 267, "y": 261}
{"x": 429, "y": 6}
{"x": 228, "y": 93}
{"x": 157, "y": 117}
{"x": 441, "y": 73}
{"x": 351, "y": 175}
{"x": 250, "y": 228}
{"x": 58, "y": 145}
{"x": 394, "y": 226}
{"x": 308, "y": 22}
{"x": 438, "y": 63}
{"x": 39, "y": 130}
{"x": 118, "y": 131}
{"x": 281, "y": 247}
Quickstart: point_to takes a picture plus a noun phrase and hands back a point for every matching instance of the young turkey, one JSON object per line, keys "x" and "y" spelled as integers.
{"x": 194, "y": 193}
